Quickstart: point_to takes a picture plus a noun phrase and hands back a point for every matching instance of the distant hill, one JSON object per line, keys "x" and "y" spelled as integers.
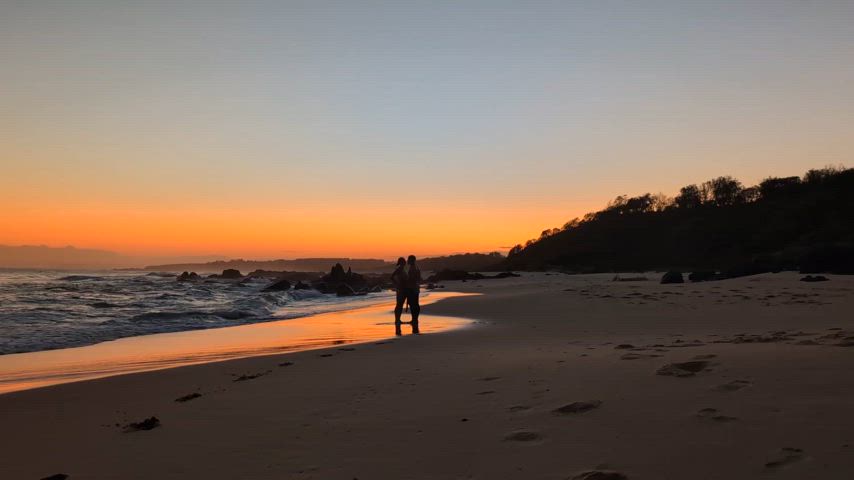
{"x": 783, "y": 223}
{"x": 470, "y": 262}
{"x": 40, "y": 256}
{"x": 467, "y": 261}
{"x": 295, "y": 265}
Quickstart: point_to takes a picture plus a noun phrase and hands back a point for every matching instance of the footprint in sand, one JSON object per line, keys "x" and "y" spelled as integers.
{"x": 188, "y": 397}
{"x": 637, "y": 356}
{"x": 286, "y": 364}
{"x": 57, "y": 476}
{"x": 577, "y": 407}
{"x": 523, "y": 436}
{"x": 487, "y": 392}
{"x": 733, "y": 386}
{"x": 325, "y": 355}
{"x": 252, "y": 376}
{"x": 600, "y": 475}
{"x": 683, "y": 369}
{"x": 715, "y": 415}
{"x": 519, "y": 408}
{"x": 788, "y": 456}
{"x": 707, "y": 356}
{"x": 489, "y": 379}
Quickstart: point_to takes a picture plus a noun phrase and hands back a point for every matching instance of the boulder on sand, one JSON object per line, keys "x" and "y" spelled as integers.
{"x": 672, "y": 277}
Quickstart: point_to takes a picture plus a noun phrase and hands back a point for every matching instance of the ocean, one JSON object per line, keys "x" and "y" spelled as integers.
{"x": 45, "y": 310}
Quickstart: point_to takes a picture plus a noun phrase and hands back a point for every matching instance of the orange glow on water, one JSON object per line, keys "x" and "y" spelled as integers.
{"x": 154, "y": 352}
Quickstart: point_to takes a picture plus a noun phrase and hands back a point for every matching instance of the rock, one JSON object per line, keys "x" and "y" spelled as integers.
{"x": 280, "y": 286}
{"x": 230, "y": 274}
{"x": 449, "y": 275}
{"x": 188, "y": 277}
{"x": 149, "y": 423}
{"x": 505, "y": 275}
{"x": 816, "y": 278}
{"x": 672, "y": 277}
{"x": 300, "y": 285}
{"x": 703, "y": 276}
{"x": 344, "y": 290}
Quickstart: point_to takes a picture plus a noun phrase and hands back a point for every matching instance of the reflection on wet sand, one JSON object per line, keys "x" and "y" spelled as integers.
{"x": 152, "y": 352}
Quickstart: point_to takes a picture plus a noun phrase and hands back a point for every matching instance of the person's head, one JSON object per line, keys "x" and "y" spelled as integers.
{"x": 401, "y": 261}
{"x": 411, "y": 260}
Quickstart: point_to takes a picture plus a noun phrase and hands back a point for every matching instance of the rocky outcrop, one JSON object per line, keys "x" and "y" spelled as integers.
{"x": 447, "y": 275}
{"x": 279, "y": 286}
{"x": 672, "y": 277}
{"x": 189, "y": 277}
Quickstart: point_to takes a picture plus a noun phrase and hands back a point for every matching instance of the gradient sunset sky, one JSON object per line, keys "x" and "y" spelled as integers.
{"x": 354, "y": 128}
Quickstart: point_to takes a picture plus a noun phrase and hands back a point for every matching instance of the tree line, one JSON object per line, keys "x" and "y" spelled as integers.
{"x": 804, "y": 223}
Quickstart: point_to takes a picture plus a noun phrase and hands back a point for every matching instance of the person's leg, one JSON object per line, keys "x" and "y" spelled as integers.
{"x": 414, "y": 306}
{"x": 398, "y": 306}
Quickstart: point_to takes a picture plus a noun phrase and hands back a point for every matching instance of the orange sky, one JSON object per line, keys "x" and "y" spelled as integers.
{"x": 291, "y": 129}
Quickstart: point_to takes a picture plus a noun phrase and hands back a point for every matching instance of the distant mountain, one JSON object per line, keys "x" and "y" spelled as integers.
{"x": 40, "y": 256}
{"x": 467, "y": 261}
{"x": 296, "y": 265}
{"x": 782, "y": 223}
{"x": 73, "y": 258}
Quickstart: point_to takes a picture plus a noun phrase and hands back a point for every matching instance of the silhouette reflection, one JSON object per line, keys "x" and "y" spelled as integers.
{"x": 399, "y": 331}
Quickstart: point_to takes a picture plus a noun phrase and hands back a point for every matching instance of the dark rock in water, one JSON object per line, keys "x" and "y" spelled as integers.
{"x": 703, "y": 276}
{"x": 672, "y": 277}
{"x": 189, "y": 276}
{"x": 302, "y": 286}
{"x": 57, "y": 476}
{"x": 230, "y": 274}
{"x": 578, "y": 407}
{"x": 600, "y": 475}
{"x": 280, "y": 286}
{"x": 149, "y": 423}
{"x": 816, "y": 278}
{"x": 344, "y": 290}
{"x": 333, "y": 281}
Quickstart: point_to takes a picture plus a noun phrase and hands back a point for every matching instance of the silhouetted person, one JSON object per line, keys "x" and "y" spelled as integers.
{"x": 413, "y": 289}
{"x": 399, "y": 280}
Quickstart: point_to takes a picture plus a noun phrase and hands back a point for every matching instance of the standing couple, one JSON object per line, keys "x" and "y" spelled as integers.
{"x": 407, "y": 279}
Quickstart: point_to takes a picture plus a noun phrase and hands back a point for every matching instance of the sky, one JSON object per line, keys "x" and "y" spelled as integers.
{"x": 267, "y": 129}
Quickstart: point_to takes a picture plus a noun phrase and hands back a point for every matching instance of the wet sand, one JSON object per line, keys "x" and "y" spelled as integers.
{"x": 168, "y": 350}
{"x": 563, "y": 376}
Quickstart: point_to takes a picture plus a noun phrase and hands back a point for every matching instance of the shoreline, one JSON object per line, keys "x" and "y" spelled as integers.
{"x": 574, "y": 374}
{"x": 130, "y": 355}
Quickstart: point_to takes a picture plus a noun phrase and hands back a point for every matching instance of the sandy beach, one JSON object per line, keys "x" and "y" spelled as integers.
{"x": 560, "y": 376}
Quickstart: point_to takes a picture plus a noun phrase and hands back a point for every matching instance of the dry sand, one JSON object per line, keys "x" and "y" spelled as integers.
{"x": 562, "y": 375}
